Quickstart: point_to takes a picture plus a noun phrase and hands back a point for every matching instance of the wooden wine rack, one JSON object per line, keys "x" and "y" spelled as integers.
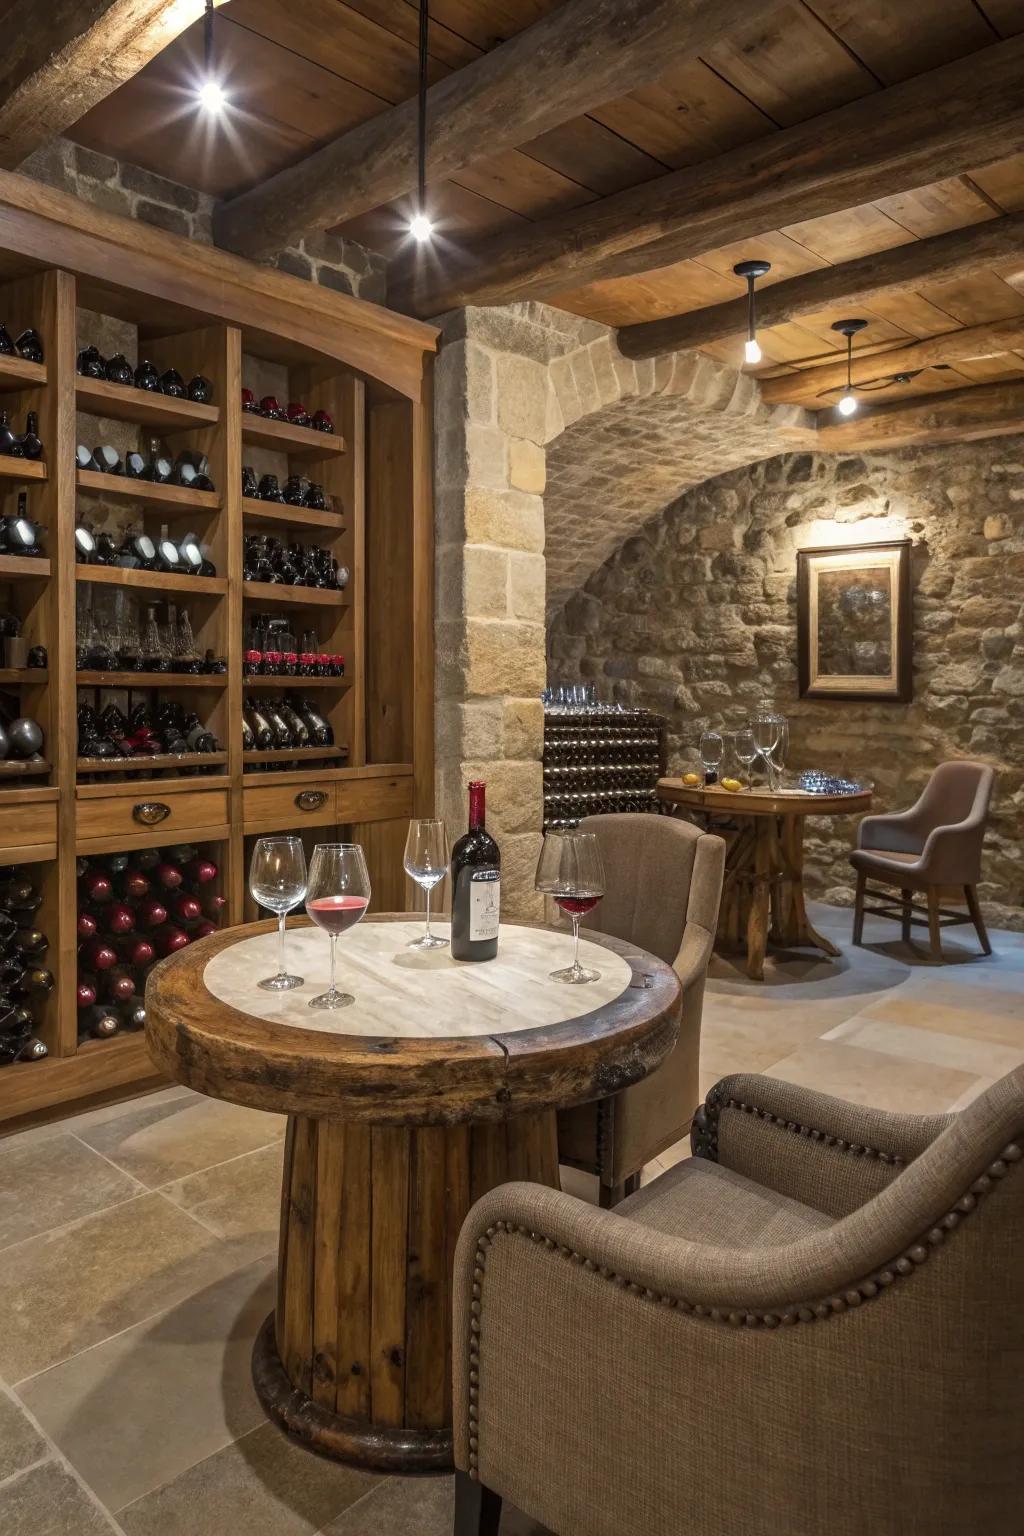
{"x": 202, "y": 311}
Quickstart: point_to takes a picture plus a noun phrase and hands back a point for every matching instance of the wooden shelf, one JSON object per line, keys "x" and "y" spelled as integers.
{"x": 328, "y": 775}
{"x": 36, "y": 568}
{"x": 152, "y": 581}
{"x": 290, "y": 754}
{"x": 296, "y": 684}
{"x": 123, "y": 402}
{"x": 33, "y": 677}
{"x": 101, "y": 1066}
{"x": 296, "y": 442}
{"x": 149, "y": 764}
{"x": 280, "y": 512}
{"x": 22, "y": 770}
{"x": 22, "y": 469}
{"x": 16, "y": 373}
{"x": 149, "y": 680}
{"x": 172, "y": 500}
{"x": 296, "y": 597}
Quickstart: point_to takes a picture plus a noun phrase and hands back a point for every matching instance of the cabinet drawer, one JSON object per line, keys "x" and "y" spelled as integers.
{"x": 288, "y": 807}
{"x": 23, "y": 825}
{"x": 165, "y": 816}
{"x": 375, "y": 799}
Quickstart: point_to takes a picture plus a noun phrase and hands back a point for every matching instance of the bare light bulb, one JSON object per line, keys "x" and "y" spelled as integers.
{"x": 847, "y": 404}
{"x": 421, "y": 228}
{"x": 752, "y": 352}
{"x": 212, "y": 97}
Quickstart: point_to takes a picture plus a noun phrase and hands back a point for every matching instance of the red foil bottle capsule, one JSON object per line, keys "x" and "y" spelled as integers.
{"x": 169, "y": 876}
{"x": 150, "y": 913}
{"x": 252, "y": 663}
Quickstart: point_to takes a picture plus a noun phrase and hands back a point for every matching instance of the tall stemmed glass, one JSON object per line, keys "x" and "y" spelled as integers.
{"x": 767, "y": 730}
{"x": 426, "y": 862}
{"x": 711, "y": 749}
{"x": 277, "y": 880}
{"x": 337, "y": 896}
{"x": 744, "y": 748}
{"x": 570, "y": 870}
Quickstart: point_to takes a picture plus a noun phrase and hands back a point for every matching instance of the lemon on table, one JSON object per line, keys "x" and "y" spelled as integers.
{"x": 691, "y": 778}
{"x": 732, "y": 785}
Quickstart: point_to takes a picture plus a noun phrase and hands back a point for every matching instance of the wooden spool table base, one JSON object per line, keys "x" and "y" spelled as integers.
{"x": 444, "y": 1084}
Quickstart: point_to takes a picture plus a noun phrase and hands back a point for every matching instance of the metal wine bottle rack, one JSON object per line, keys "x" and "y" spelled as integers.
{"x": 599, "y": 761}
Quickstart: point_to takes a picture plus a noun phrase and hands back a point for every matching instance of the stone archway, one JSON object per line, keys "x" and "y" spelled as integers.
{"x": 551, "y": 448}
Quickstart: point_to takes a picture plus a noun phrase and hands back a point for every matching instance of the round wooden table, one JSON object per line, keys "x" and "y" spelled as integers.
{"x": 763, "y": 893}
{"x": 438, "y": 1083}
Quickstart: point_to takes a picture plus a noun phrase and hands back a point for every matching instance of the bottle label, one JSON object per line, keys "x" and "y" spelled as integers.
{"x": 484, "y": 904}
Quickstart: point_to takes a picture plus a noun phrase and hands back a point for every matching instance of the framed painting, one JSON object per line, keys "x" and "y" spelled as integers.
{"x": 854, "y": 633}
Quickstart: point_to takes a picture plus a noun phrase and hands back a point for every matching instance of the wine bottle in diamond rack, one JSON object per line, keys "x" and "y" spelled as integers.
{"x": 476, "y": 886}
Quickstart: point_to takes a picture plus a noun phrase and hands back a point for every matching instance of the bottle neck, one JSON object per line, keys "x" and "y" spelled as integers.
{"x": 477, "y": 794}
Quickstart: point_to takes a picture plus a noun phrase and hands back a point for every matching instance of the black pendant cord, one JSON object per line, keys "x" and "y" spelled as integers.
{"x": 422, "y": 111}
{"x": 751, "y": 315}
{"x": 208, "y": 39}
{"x": 849, "y": 364}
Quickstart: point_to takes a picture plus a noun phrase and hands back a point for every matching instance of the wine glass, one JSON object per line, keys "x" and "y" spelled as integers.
{"x": 426, "y": 862}
{"x": 766, "y": 730}
{"x": 277, "y": 880}
{"x": 337, "y": 896}
{"x": 744, "y": 748}
{"x": 711, "y": 749}
{"x": 570, "y": 870}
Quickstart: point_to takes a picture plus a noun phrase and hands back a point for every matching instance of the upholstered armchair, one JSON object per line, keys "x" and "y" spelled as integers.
{"x": 664, "y": 883}
{"x": 814, "y": 1326}
{"x": 932, "y": 846}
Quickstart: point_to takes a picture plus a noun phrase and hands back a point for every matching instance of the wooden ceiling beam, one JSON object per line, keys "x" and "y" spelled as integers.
{"x": 973, "y": 341}
{"x": 579, "y": 56}
{"x": 965, "y": 115}
{"x": 853, "y": 283}
{"x": 62, "y": 57}
{"x": 961, "y": 416}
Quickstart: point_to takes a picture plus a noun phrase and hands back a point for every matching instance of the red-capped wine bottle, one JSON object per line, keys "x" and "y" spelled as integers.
{"x": 151, "y": 913}
{"x": 215, "y": 904}
{"x": 96, "y": 886}
{"x": 135, "y": 885}
{"x": 85, "y": 995}
{"x": 98, "y": 955}
{"x": 118, "y": 985}
{"x": 88, "y": 925}
{"x": 476, "y": 885}
{"x": 169, "y": 939}
{"x": 118, "y": 918}
{"x": 168, "y": 875}
{"x": 135, "y": 951}
{"x": 201, "y": 870}
{"x": 204, "y": 929}
{"x": 184, "y": 907}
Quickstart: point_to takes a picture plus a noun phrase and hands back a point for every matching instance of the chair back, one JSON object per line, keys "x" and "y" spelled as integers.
{"x": 957, "y": 791}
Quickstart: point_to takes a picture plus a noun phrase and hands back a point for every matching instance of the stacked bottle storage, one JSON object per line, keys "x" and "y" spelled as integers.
{"x": 600, "y": 761}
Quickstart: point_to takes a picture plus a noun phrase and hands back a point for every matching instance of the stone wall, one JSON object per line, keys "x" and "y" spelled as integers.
{"x": 695, "y": 616}
{"x": 135, "y": 193}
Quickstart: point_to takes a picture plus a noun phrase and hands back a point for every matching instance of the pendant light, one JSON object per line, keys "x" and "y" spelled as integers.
{"x": 751, "y": 271}
{"x": 210, "y": 94}
{"x": 420, "y": 226}
{"x": 847, "y": 402}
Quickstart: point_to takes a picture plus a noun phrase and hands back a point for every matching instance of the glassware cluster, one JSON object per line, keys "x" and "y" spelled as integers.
{"x": 336, "y": 892}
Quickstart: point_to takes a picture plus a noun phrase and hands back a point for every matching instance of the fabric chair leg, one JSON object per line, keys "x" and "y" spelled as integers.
{"x": 477, "y": 1509}
{"x": 907, "y": 898}
{"x": 631, "y": 1185}
{"x": 858, "y": 908}
{"x": 933, "y": 923}
{"x": 974, "y": 909}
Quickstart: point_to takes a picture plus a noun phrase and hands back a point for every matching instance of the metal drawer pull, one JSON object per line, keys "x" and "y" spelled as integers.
{"x": 150, "y": 812}
{"x": 310, "y": 799}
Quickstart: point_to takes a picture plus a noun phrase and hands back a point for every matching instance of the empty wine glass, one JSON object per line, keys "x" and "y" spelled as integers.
{"x": 337, "y": 896}
{"x": 570, "y": 870}
{"x": 711, "y": 749}
{"x": 744, "y": 748}
{"x": 426, "y": 862}
{"x": 277, "y": 880}
{"x": 766, "y": 729}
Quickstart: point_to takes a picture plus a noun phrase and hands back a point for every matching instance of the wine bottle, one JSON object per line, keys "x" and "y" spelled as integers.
{"x": 35, "y": 979}
{"x": 32, "y": 942}
{"x": 135, "y": 951}
{"x": 169, "y": 939}
{"x": 200, "y": 870}
{"x": 118, "y": 985}
{"x": 146, "y": 859}
{"x": 134, "y": 885}
{"x": 96, "y": 885}
{"x": 100, "y": 1021}
{"x": 150, "y": 913}
{"x": 204, "y": 929}
{"x": 185, "y": 908}
{"x": 88, "y": 925}
{"x": 118, "y": 918}
{"x": 31, "y": 447}
{"x": 133, "y": 1015}
{"x": 476, "y": 885}
{"x": 85, "y": 995}
{"x": 168, "y": 875}
{"x": 15, "y": 892}
{"x": 98, "y": 955}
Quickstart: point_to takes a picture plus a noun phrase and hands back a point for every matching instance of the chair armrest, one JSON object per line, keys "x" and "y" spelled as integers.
{"x": 952, "y": 854}
{"x": 898, "y": 832}
{"x": 823, "y": 1151}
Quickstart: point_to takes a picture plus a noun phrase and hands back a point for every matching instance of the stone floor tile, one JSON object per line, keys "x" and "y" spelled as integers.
{"x": 964, "y": 1053}
{"x": 163, "y": 1142}
{"x": 134, "y": 1412}
{"x": 871, "y": 1078}
{"x": 99, "y": 1116}
{"x": 417, "y": 1507}
{"x": 69, "y": 1289}
{"x": 50, "y": 1183}
{"x": 261, "y": 1485}
{"x": 734, "y": 1040}
{"x": 240, "y": 1199}
{"x": 955, "y": 1012}
{"x": 48, "y": 1501}
{"x": 21, "y": 1444}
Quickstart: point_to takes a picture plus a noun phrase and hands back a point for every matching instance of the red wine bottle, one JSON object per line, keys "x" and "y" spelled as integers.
{"x": 85, "y": 995}
{"x": 215, "y": 904}
{"x": 88, "y": 925}
{"x": 98, "y": 955}
{"x": 135, "y": 951}
{"x": 168, "y": 875}
{"x": 150, "y": 913}
{"x": 118, "y": 918}
{"x": 118, "y": 985}
{"x": 476, "y": 886}
{"x": 204, "y": 929}
{"x": 96, "y": 885}
{"x": 184, "y": 907}
{"x": 169, "y": 939}
{"x": 135, "y": 885}
{"x": 201, "y": 871}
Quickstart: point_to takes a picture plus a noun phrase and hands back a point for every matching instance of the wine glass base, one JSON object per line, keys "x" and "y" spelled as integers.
{"x": 575, "y": 975}
{"x": 332, "y": 1000}
{"x": 280, "y": 983}
{"x": 428, "y": 941}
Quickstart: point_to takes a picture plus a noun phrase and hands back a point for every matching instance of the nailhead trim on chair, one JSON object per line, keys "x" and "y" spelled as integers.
{"x": 704, "y": 1131}
{"x": 798, "y": 1312}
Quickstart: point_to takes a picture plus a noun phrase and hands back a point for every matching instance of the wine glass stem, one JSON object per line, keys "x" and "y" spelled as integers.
{"x": 426, "y": 931}
{"x": 280, "y": 947}
{"x": 575, "y": 941}
{"x": 334, "y": 946}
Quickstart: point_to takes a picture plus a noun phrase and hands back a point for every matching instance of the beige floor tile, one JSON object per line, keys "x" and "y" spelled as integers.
{"x": 240, "y": 1200}
{"x": 417, "y": 1507}
{"x": 734, "y": 1040}
{"x": 963, "y": 1053}
{"x": 262, "y": 1485}
{"x": 134, "y": 1412}
{"x": 73, "y": 1124}
{"x": 969, "y": 1021}
{"x": 54, "y": 1182}
{"x": 67, "y": 1290}
{"x": 47, "y": 1501}
{"x": 21, "y": 1444}
{"x": 869, "y": 1077}
{"x": 162, "y": 1142}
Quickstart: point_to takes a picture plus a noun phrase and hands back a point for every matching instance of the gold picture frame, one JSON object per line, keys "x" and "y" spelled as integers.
{"x": 854, "y": 635}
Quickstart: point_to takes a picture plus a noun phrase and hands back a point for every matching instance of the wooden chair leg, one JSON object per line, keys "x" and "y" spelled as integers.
{"x": 974, "y": 909}
{"x": 609, "y": 1195}
{"x": 477, "y": 1509}
{"x": 858, "y": 908}
{"x": 907, "y": 898}
{"x": 631, "y": 1185}
{"x": 933, "y": 922}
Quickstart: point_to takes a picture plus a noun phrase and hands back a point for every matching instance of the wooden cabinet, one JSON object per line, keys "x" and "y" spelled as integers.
{"x": 155, "y": 811}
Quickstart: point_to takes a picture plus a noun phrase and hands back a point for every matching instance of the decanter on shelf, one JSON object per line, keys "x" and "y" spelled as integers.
{"x": 155, "y": 657}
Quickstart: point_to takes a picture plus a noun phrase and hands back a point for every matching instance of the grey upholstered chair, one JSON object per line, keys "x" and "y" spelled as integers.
{"x": 813, "y": 1326}
{"x": 934, "y": 845}
{"x": 664, "y": 883}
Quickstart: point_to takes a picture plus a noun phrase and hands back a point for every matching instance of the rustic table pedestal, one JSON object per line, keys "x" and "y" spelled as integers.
{"x": 440, "y": 1082}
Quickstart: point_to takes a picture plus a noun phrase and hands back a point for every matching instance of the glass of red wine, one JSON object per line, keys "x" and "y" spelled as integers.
{"x": 570, "y": 870}
{"x": 337, "y": 896}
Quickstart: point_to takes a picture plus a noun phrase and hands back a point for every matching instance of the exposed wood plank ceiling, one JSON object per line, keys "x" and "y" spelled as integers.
{"x": 303, "y": 71}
